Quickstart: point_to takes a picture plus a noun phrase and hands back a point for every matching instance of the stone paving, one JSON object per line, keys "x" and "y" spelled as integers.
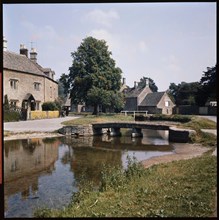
{"x": 41, "y": 125}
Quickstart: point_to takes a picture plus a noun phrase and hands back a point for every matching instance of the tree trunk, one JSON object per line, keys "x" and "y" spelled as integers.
{"x": 96, "y": 109}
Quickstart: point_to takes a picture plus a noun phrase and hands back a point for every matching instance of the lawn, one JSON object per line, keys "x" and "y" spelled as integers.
{"x": 183, "y": 188}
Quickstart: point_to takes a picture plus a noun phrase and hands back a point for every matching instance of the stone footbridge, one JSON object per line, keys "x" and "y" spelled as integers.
{"x": 113, "y": 128}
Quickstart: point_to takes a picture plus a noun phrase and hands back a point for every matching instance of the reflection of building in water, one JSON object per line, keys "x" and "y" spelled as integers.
{"x": 25, "y": 161}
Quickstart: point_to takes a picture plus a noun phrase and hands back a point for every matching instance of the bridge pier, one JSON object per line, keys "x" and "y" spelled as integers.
{"x": 115, "y": 132}
{"x": 136, "y": 132}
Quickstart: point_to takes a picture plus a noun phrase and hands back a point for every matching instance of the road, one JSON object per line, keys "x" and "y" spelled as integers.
{"x": 41, "y": 125}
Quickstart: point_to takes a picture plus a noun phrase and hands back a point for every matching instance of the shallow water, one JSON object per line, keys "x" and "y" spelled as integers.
{"x": 44, "y": 172}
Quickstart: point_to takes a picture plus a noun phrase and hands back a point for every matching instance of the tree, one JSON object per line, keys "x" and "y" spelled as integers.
{"x": 207, "y": 86}
{"x": 184, "y": 93}
{"x": 152, "y": 84}
{"x": 93, "y": 74}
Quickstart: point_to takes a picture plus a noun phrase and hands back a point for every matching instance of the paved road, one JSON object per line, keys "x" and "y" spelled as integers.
{"x": 43, "y": 125}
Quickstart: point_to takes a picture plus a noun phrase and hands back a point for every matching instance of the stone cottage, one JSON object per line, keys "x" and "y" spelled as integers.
{"x": 27, "y": 84}
{"x": 143, "y": 99}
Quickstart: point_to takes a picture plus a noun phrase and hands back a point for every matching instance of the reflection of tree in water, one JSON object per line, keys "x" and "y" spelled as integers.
{"x": 88, "y": 162}
{"x": 29, "y": 146}
{"x": 11, "y": 145}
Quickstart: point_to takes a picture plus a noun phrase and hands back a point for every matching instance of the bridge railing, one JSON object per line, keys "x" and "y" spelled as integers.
{"x": 134, "y": 112}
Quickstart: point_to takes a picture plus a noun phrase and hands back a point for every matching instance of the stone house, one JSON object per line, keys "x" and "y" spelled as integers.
{"x": 27, "y": 84}
{"x": 143, "y": 99}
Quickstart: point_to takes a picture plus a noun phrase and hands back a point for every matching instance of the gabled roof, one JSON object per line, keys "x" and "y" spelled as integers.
{"x": 152, "y": 99}
{"x": 133, "y": 92}
{"x": 21, "y": 63}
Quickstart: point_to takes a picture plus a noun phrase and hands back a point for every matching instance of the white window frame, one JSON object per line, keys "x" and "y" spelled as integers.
{"x": 37, "y": 86}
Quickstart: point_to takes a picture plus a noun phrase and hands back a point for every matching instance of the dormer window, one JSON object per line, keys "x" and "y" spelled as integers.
{"x": 14, "y": 83}
{"x": 37, "y": 86}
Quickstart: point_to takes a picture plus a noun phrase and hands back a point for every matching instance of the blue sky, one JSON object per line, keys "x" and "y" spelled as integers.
{"x": 168, "y": 42}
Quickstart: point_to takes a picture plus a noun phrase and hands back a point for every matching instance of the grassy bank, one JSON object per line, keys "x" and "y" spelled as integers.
{"x": 178, "y": 189}
{"x": 89, "y": 119}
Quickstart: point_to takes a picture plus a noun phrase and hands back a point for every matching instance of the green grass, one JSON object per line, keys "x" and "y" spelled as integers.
{"x": 203, "y": 138}
{"x": 183, "y": 188}
{"x": 89, "y": 119}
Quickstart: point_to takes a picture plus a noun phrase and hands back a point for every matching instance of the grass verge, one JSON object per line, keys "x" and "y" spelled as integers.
{"x": 89, "y": 119}
{"x": 183, "y": 188}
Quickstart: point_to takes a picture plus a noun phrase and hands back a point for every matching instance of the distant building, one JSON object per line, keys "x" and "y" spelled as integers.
{"x": 27, "y": 84}
{"x": 143, "y": 99}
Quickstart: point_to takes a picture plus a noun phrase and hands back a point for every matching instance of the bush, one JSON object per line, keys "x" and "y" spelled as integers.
{"x": 49, "y": 106}
{"x": 159, "y": 117}
{"x": 11, "y": 116}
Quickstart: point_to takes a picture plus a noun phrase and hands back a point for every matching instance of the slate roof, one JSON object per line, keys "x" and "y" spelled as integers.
{"x": 152, "y": 99}
{"x": 21, "y": 63}
{"x": 133, "y": 92}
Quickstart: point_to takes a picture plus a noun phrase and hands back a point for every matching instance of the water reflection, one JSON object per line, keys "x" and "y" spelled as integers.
{"x": 39, "y": 172}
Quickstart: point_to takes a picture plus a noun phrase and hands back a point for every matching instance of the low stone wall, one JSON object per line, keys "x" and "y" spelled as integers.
{"x": 43, "y": 114}
{"x": 180, "y": 135}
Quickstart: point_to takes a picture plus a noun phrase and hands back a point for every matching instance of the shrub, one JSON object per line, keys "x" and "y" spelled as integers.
{"x": 49, "y": 106}
{"x": 10, "y": 116}
{"x": 160, "y": 117}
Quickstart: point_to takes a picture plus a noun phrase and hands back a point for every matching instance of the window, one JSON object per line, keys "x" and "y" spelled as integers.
{"x": 37, "y": 86}
{"x": 167, "y": 103}
{"x": 13, "y": 83}
{"x": 37, "y": 105}
{"x": 13, "y": 103}
{"x": 50, "y": 92}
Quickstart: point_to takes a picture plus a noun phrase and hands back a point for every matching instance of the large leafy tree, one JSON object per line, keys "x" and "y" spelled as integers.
{"x": 184, "y": 93}
{"x": 152, "y": 84}
{"x": 93, "y": 76}
{"x": 207, "y": 86}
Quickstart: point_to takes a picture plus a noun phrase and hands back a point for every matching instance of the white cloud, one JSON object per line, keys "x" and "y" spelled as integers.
{"x": 104, "y": 18}
{"x": 111, "y": 40}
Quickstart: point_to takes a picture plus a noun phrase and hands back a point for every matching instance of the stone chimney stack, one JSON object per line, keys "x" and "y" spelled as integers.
{"x": 23, "y": 50}
{"x": 33, "y": 55}
{"x": 5, "y": 46}
{"x": 147, "y": 82}
{"x": 135, "y": 84}
{"x": 123, "y": 81}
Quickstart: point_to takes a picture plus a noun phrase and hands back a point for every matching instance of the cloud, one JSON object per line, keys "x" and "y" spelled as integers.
{"x": 101, "y": 17}
{"x": 111, "y": 40}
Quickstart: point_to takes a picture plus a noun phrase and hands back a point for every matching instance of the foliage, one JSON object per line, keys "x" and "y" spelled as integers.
{"x": 183, "y": 188}
{"x": 184, "y": 93}
{"x": 93, "y": 73}
{"x": 11, "y": 115}
{"x": 6, "y": 105}
{"x": 63, "y": 85}
{"x": 160, "y": 117}
{"x": 152, "y": 84}
{"x": 50, "y": 106}
{"x": 207, "y": 86}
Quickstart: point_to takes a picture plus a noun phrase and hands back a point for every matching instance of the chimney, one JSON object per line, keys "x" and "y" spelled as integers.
{"x": 23, "y": 50}
{"x": 4, "y": 44}
{"x": 33, "y": 55}
{"x": 135, "y": 84}
{"x": 147, "y": 82}
{"x": 123, "y": 81}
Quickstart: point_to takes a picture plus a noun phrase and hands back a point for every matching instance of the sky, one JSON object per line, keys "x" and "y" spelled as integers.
{"x": 168, "y": 42}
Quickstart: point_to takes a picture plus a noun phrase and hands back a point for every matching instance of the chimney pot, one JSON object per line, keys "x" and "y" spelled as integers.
{"x": 23, "y": 50}
{"x": 123, "y": 81}
{"x": 135, "y": 84}
{"x": 5, "y": 47}
{"x": 33, "y": 55}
